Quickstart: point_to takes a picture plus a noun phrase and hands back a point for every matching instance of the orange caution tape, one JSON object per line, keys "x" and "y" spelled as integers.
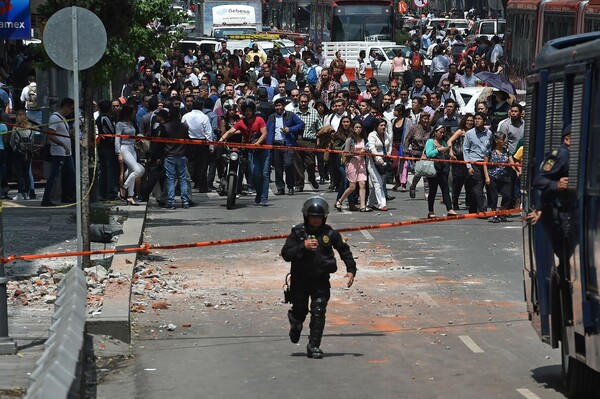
{"x": 146, "y": 248}
{"x": 292, "y": 148}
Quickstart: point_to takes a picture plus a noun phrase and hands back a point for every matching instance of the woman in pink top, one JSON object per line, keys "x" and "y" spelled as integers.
{"x": 398, "y": 68}
{"x": 356, "y": 168}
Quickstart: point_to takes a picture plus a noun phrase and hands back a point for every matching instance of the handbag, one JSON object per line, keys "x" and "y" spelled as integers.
{"x": 425, "y": 168}
{"x": 387, "y": 163}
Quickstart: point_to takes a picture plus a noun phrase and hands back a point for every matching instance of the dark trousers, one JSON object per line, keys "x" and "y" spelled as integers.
{"x": 503, "y": 187}
{"x": 478, "y": 200}
{"x": 283, "y": 161}
{"x": 322, "y": 166}
{"x": 304, "y": 161}
{"x": 318, "y": 290}
{"x": 440, "y": 180}
{"x": 459, "y": 180}
{"x": 154, "y": 174}
{"x": 4, "y": 172}
{"x": 107, "y": 173}
{"x": 64, "y": 164}
{"x": 23, "y": 166}
{"x": 334, "y": 171}
{"x": 201, "y": 158}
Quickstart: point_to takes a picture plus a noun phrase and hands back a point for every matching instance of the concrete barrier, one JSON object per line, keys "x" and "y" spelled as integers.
{"x": 58, "y": 371}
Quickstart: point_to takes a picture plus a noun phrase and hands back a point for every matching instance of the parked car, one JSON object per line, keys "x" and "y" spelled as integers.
{"x": 462, "y": 25}
{"x": 489, "y": 28}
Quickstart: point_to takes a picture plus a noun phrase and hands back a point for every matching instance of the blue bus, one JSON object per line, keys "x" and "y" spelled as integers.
{"x": 565, "y": 311}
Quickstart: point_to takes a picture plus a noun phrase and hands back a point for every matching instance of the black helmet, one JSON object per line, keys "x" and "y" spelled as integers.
{"x": 315, "y": 206}
{"x": 248, "y": 104}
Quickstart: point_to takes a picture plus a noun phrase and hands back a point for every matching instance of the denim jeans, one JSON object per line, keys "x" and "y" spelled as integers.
{"x": 58, "y": 163}
{"x": 259, "y": 169}
{"x": 176, "y": 168}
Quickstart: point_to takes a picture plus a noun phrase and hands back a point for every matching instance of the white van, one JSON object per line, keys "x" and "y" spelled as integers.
{"x": 489, "y": 28}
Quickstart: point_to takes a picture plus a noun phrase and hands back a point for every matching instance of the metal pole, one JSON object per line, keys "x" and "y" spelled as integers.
{"x": 200, "y": 17}
{"x": 7, "y": 345}
{"x": 77, "y": 147}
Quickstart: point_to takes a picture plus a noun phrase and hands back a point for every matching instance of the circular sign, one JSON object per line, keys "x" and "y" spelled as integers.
{"x": 74, "y": 27}
{"x": 420, "y": 3}
{"x": 402, "y": 7}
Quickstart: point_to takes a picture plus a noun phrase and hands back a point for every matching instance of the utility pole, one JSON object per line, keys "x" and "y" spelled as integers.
{"x": 200, "y": 17}
{"x": 7, "y": 345}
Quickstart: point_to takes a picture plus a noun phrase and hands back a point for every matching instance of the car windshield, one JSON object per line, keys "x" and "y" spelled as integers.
{"x": 286, "y": 51}
{"x": 487, "y": 28}
{"x": 391, "y": 51}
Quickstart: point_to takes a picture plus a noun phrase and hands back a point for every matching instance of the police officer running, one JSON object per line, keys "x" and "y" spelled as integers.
{"x": 309, "y": 248}
{"x": 555, "y": 206}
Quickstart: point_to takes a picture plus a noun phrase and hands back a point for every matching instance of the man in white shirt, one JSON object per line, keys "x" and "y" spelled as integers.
{"x": 191, "y": 76}
{"x": 199, "y": 129}
{"x": 60, "y": 150}
{"x": 295, "y": 97}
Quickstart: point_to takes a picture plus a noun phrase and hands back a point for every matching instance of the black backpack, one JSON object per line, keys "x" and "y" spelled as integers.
{"x": 24, "y": 143}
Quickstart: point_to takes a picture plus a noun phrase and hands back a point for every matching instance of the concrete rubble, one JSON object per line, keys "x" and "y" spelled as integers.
{"x": 40, "y": 291}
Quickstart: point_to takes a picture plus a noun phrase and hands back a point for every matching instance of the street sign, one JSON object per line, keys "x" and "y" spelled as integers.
{"x": 61, "y": 38}
{"x": 402, "y": 7}
{"x": 75, "y": 39}
{"x": 420, "y": 3}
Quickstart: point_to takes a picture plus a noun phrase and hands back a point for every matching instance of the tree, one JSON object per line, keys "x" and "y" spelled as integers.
{"x": 133, "y": 28}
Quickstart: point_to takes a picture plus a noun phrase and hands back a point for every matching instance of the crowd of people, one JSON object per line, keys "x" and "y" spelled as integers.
{"x": 255, "y": 97}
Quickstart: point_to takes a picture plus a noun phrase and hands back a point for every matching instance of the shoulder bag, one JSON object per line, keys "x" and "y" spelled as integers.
{"x": 425, "y": 168}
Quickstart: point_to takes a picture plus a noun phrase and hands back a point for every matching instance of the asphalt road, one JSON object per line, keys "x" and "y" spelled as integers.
{"x": 436, "y": 311}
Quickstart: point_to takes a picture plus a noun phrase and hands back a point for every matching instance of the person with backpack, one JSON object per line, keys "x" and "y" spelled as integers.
{"x": 416, "y": 63}
{"x": 21, "y": 142}
{"x": 311, "y": 72}
{"x": 33, "y": 110}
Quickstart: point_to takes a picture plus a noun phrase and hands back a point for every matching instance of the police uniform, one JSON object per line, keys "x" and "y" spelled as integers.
{"x": 310, "y": 277}
{"x": 557, "y": 207}
{"x": 555, "y": 204}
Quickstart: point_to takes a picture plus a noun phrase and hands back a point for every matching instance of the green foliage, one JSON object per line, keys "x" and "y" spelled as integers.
{"x": 129, "y": 30}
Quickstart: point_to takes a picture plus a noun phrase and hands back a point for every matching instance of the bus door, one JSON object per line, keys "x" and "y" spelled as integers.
{"x": 548, "y": 119}
{"x": 590, "y": 209}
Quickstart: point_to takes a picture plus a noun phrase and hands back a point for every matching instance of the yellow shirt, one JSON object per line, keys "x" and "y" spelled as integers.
{"x": 519, "y": 155}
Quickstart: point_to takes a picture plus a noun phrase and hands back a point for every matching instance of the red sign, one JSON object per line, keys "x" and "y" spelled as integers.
{"x": 420, "y": 3}
{"x": 402, "y": 7}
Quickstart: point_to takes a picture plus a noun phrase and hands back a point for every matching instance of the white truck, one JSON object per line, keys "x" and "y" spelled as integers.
{"x": 379, "y": 69}
{"x": 225, "y": 18}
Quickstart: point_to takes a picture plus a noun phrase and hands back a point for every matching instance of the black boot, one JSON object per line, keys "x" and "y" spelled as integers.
{"x": 317, "y": 324}
{"x": 295, "y": 328}
{"x": 313, "y": 352}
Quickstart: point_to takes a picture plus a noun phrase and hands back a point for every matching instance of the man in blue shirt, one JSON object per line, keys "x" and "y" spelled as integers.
{"x": 475, "y": 147}
{"x": 283, "y": 128}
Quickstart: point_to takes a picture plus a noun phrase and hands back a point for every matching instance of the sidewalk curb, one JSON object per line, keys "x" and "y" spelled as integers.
{"x": 115, "y": 317}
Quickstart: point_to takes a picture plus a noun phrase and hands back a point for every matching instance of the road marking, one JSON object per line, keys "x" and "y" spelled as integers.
{"x": 527, "y": 393}
{"x": 367, "y": 235}
{"x": 470, "y": 344}
{"x": 428, "y": 300}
